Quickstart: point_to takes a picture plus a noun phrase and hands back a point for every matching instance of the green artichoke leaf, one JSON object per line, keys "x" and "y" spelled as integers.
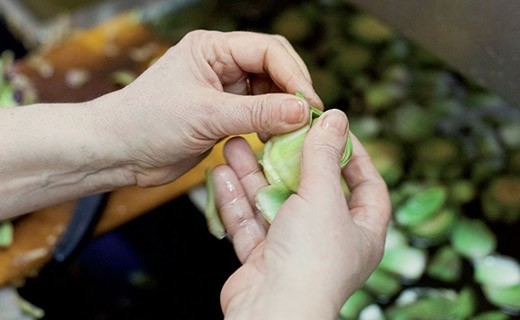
{"x": 215, "y": 225}
{"x": 270, "y": 199}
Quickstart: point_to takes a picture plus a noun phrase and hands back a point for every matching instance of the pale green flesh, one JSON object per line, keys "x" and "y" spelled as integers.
{"x": 285, "y": 157}
{"x": 497, "y": 271}
{"x": 270, "y": 199}
{"x": 357, "y": 302}
{"x": 215, "y": 226}
{"x": 281, "y": 164}
{"x": 6, "y": 233}
{"x": 415, "y": 261}
{"x": 270, "y": 173}
{"x": 504, "y": 297}
{"x": 473, "y": 239}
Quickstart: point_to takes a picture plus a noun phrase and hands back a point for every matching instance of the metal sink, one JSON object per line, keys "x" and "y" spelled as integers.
{"x": 481, "y": 39}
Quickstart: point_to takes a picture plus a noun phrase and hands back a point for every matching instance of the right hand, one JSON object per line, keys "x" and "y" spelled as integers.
{"x": 320, "y": 247}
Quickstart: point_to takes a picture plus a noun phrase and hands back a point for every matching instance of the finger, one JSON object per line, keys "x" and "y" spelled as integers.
{"x": 369, "y": 201}
{"x": 262, "y": 83}
{"x": 261, "y": 53}
{"x": 295, "y": 55}
{"x": 241, "y": 158}
{"x": 322, "y": 152}
{"x": 264, "y": 136}
{"x": 239, "y": 86}
{"x": 236, "y": 212}
{"x": 273, "y": 113}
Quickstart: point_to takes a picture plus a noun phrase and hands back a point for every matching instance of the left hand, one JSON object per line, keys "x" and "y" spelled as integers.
{"x": 156, "y": 128}
{"x": 208, "y": 86}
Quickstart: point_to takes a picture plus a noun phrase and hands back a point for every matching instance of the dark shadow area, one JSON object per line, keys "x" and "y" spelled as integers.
{"x": 164, "y": 263}
{"x": 9, "y": 42}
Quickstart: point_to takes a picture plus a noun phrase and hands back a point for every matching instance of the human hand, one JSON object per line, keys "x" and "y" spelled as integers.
{"x": 208, "y": 86}
{"x": 320, "y": 247}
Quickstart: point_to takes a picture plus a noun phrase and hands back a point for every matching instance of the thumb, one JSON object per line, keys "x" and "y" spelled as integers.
{"x": 273, "y": 113}
{"x": 322, "y": 152}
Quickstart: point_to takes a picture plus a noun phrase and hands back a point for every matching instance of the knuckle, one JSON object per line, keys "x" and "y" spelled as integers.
{"x": 277, "y": 42}
{"x": 260, "y": 115}
{"x": 194, "y": 34}
{"x": 281, "y": 39}
{"x": 327, "y": 149}
{"x": 197, "y": 36}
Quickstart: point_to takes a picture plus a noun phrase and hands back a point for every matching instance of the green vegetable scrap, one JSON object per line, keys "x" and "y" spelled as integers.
{"x": 497, "y": 271}
{"x": 123, "y": 78}
{"x": 507, "y": 298}
{"x": 6, "y": 233}
{"x": 355, "y": 304}
{"x": 369, "y": 29}
{"x": 501, "y": 200}
{"x": 422, "y": 206}
{"x": 387, "y": 158}
{"x": 491, "y": 315}
{"x": 351, "y": 58}
{"x": 215, "y": 225}
{"x": 473, "y": 239}
{"x": 445, "y": 265}
{"x": 437, "y": 158}
{"x": 14, "y": 307}
{"x": 462, "y": 191}
{"x": 436, "y": 229}
{"x": 405, "y": 261}
{"x": 292, "y": 24}
{"x": 270, "y": 199}
{"x": 365, "y": 127}
{"x": 382, "y": 95}
{"x": 499, "y": 277}
{"x": 432, "y": 304}
{"x": 383, "y": 284}
{"x": 372, "y": 312}
{"x": 15, "y": 89}
{"x": 412, "y": 123}
{"x": 510, "y": 134}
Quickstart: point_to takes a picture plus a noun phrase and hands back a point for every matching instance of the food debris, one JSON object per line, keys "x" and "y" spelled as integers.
{"x": 6, "y": 233}
{"x": 44, "y": 68}
{"x": 144, "y": 52}
{"x": 122, "y": 209}
{"x": 15, "y": 307}
{"x": 123, "y": 77}
{"x": 31, "y": 255}
{"x": 76, "y": 78}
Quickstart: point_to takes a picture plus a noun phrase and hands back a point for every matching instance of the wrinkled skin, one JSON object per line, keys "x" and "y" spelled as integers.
{"x": 204, "y": 83}
{"x": 320, "y": 247}
{"x": 208, "y": 86}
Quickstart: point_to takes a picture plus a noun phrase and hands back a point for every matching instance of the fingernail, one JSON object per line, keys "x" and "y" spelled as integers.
{"x": 335, "y": 121}
{"x": 294, "y": 111}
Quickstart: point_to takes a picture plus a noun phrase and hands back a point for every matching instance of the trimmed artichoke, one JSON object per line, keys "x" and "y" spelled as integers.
{"x": 281, "y": 163}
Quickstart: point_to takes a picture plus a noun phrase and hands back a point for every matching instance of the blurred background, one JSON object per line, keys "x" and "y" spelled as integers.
{"x": 442, "y": 133}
